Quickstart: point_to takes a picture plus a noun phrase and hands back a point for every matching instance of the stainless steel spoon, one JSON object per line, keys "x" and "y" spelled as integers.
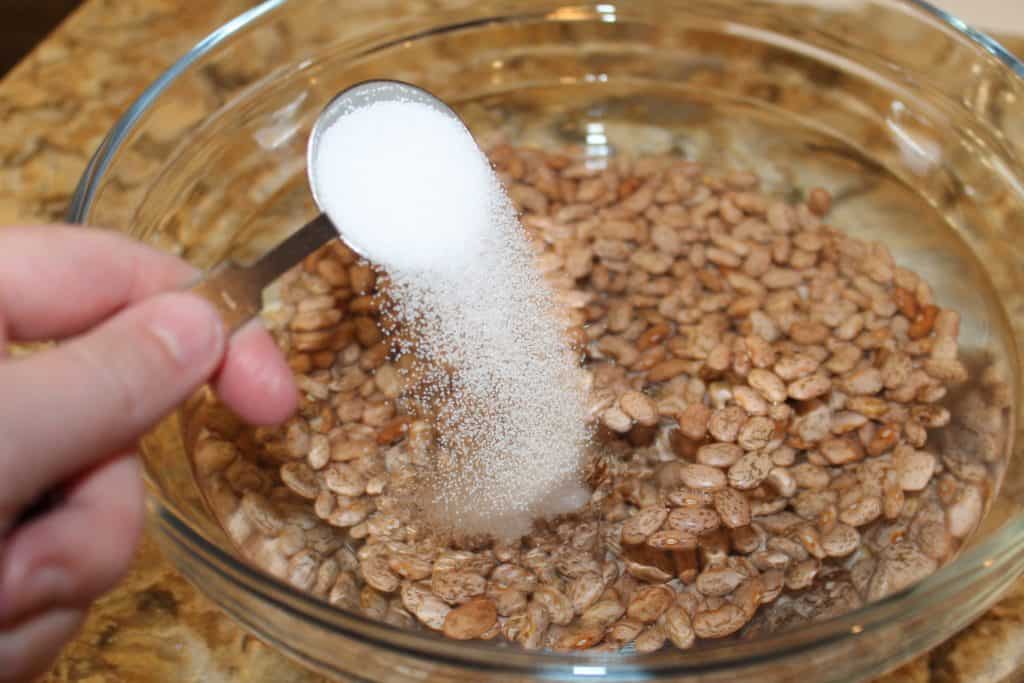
{"x": 237, "y": 291}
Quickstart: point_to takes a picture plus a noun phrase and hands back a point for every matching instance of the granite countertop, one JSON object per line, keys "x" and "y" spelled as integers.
{"x": 55, "y": 108}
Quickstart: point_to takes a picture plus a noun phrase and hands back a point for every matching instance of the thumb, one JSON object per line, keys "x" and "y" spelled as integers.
{"x": 67, "y": 407}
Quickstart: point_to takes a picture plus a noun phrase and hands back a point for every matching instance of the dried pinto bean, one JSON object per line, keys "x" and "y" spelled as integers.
{"x": 764, "y": 386}
{"x": 470, "y": 620}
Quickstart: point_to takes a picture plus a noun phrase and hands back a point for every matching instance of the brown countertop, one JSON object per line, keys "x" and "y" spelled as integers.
{"x": 55, "y": 108}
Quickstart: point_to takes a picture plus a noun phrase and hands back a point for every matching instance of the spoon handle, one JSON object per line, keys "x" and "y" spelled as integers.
{"x": 237, "y": 291}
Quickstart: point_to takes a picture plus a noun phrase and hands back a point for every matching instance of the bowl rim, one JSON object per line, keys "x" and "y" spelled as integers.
{"x": 84, "y": 193}
{"x": 1002, "y": 552}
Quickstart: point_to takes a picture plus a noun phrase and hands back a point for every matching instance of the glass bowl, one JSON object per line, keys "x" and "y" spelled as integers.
{"x": 913, "y": 121}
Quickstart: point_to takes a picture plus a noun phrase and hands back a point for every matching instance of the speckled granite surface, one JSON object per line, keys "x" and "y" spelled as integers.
{"x": 54, "y": 109}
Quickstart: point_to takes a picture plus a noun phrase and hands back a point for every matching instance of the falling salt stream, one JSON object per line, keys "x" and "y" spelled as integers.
{"x": 410, "y": 190}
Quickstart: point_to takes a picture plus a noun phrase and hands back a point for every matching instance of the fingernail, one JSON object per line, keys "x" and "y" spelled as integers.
{"x": 34, "y": 591}
{"x": 189, "y": 329}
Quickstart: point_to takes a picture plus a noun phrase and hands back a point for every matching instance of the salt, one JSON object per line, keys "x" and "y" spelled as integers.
{"x": 409, "y": 188}
{"x": 411, "y": 191}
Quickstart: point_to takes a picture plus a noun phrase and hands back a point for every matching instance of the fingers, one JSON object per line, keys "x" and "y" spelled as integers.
{"x": 28, "y": 649}
{"x": 98, "y": 393}
{"x": 77, "y": 551}
{"x": 59, "y": 281}
{"x": 65, "y": 407}
{"x": 48, "y": 292}
{"x": 255, "y": 380}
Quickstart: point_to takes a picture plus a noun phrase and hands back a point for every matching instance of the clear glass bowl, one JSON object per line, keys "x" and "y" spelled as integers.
{"x": 912, "y": 120}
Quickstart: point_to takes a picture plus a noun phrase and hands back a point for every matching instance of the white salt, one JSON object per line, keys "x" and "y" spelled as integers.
{"x": 410, "y": 190}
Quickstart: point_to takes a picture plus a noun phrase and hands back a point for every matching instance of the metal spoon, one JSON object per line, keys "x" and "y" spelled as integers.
{"x": 237, "y": 291}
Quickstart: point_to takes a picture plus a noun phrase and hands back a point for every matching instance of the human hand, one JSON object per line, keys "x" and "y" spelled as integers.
{"x": 70, "y": 416}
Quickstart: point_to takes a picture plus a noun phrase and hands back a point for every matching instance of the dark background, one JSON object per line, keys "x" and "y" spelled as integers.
{"x": 23, "y": 23}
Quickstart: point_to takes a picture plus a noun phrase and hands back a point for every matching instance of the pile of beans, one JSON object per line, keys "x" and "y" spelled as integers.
{"x": 784, "y": 426}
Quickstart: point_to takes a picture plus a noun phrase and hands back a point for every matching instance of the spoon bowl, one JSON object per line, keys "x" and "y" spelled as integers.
{"x": 237, "y": 291}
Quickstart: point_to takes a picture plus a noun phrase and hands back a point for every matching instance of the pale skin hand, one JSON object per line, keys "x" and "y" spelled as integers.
{"x": 133, "y": 349}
